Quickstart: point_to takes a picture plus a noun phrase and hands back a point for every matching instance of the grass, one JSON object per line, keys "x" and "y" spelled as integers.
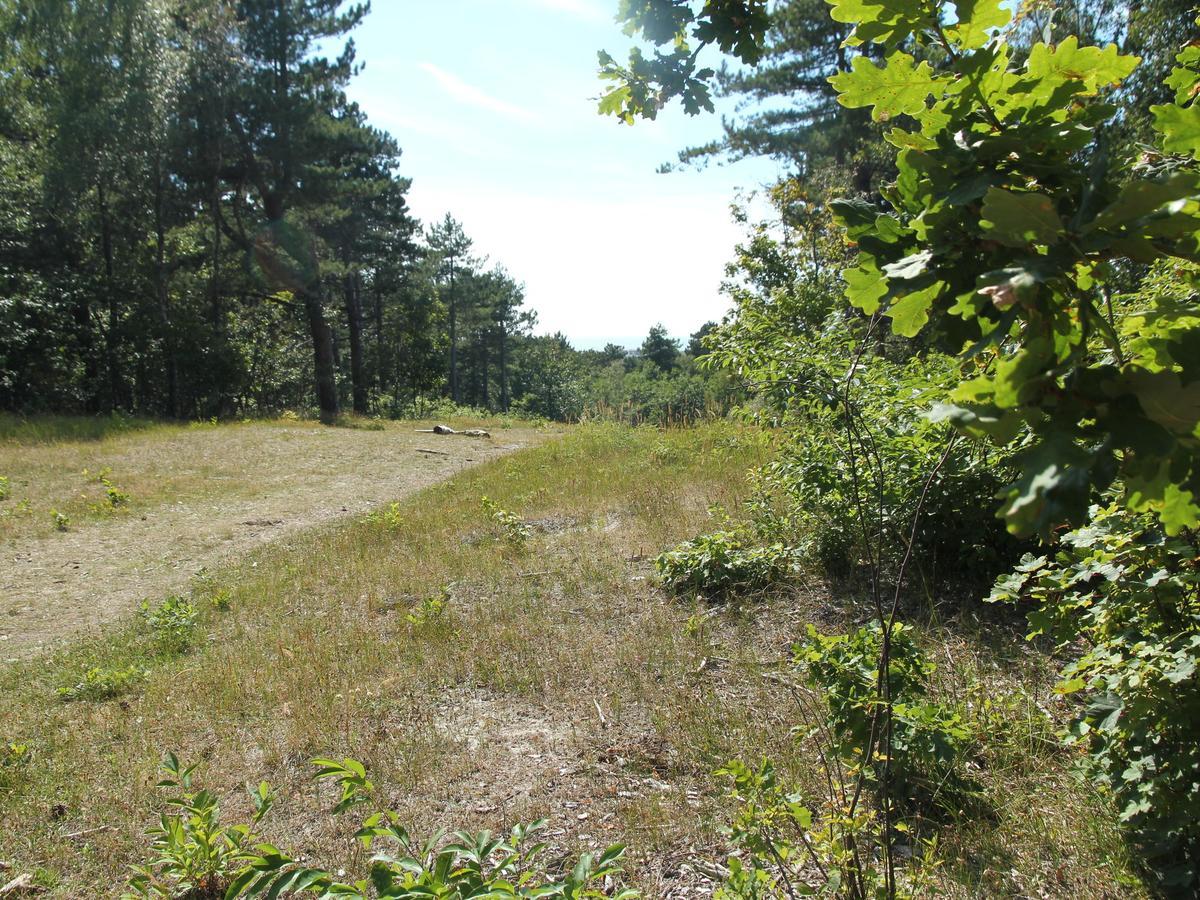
{"x": 484, "y": 681}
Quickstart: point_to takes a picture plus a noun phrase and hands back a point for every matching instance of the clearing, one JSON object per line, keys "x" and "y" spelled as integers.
{"x": 196, "y": 497}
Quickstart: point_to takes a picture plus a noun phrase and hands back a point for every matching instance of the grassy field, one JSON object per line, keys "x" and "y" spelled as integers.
{"x": 484, "y": 681}
{"x": 102, "y": 513}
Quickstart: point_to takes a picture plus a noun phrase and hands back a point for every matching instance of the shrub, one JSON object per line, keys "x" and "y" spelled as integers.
{"x": 102, "y": 683}
{"x": 1132, "y": 595}
{"x": 61, "y": 521}
{"x": 927, "y": 740}
{"x": 5, "y": 488}
{"x": 722, "y": 563}
{"x": 197, "y": 856}
{"x": 511, "y": 526}
{"x": 172, "y": 622}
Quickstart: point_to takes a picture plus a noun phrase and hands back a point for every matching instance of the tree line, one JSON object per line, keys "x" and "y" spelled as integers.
{"x": 196, "y": 221}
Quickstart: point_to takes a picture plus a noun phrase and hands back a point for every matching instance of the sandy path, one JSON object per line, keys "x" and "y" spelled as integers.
{"x": 250, "y": 485}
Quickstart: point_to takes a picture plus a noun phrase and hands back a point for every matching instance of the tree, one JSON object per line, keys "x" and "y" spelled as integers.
{"x": 696, "y": 345}
{"x": 660, "y": 348}
{"x": 280, "y": 118}
{"x": 451, "y": 248}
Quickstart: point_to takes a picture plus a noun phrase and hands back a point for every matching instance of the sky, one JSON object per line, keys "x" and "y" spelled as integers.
{"x": 494, "y": 105}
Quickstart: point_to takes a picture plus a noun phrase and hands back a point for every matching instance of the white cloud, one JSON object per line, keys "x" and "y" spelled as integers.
{"x": 473, "y": 96}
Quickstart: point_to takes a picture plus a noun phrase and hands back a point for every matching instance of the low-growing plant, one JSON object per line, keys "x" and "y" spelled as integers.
{"x": 723, "y": 563}
{"x": 222, "y": 600}
{"x": 172, "y": 622}
{"x": 102, "y": 683}
{"x": 388, "y": 519}
{"x": 429, "y": 611}
{"x": 512, "y": 527}
{"x": 1131, "y": 595}
{"x": 867, "y": 713}
{"x": 14, "y": 757}
{"x": 197, "y": 856}
{"x": 786, "y": 846}
{"x": 5, "y": 488}
{"x": 62, "y": 521}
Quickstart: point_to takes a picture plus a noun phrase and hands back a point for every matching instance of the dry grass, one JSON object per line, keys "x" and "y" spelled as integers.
{"x": 556, "y": 681}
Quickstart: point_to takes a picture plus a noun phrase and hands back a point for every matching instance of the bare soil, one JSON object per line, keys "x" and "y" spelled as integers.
{"x": 228, "y": 490}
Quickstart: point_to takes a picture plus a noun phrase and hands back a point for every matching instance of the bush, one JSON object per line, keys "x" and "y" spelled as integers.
{"x": 195, "y": 855}
{"x": 102, "y": 683}
{"x": 511, "y": 527}
{"x": 806, "y": 497}
{"x": 722, "y": 563}
{"x": 927, "y": 740}
{"x": 1132, "y": 595}
{"x": 172, "y": 622}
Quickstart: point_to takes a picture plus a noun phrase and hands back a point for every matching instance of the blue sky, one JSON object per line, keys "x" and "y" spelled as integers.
{"x": 493, "y": 102}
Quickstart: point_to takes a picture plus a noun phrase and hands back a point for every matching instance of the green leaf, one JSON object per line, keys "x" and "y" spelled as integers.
{"x": 911, "y": 312}
{"x": 896, "y": 88}
{"x": 865, "y": 287}
{"x": 1091, "y": 67}
{"x": 1017, "y": 219}
{"x": 1179, "y": 127}
{"x": 976, "y": 21}
{"x": 887, "y": 22}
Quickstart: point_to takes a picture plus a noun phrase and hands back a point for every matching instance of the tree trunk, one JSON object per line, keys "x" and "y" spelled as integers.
{"x": 160, "y": 277}
{"x": 503, "y": 370}
{"x": 454, "y": 395}
{"x": 358, "y": 376}
{"x": 322, "y": 338}
{"x": 111, "y": 336}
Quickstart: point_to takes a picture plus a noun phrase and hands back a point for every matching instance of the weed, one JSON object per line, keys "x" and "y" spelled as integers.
{"x": 194, "y": 854}
{"x": 513, "y": 529}
{"x": 388, "y": 519}
{"x": 62, "y": 522}
{"x": 5, "y": 488}
{"x": 103, "y": 683}
{"x": 720, "y": 564}
{"x": 222, "y": 600}
{"x": 172, "y": 621}
{"x": 430, "y": 611}
{"x": 14, "y": 757}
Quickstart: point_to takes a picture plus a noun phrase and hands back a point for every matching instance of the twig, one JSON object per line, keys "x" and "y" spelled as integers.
{"x": 87, "y": 831}
{"x": 434, "y": 452}
{"x": 600, "y": 713}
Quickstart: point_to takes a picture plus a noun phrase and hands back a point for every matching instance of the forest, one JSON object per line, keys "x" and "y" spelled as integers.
{"x": 885, "y": 585}
{"x": 198, "y": 222}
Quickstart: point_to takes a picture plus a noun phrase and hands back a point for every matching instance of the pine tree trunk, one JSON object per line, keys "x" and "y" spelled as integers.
{"x": 358, "y": 376}
{"x": 322, "y": 338}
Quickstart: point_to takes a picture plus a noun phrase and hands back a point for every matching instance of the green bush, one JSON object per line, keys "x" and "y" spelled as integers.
{"x": 720, "y": 564}
{"x": 195, "y": 855}
{"x": 172, "y": 622}
{"x": 1131, "y": 595}
{"x": 928, "y": 741}
{"x": 102, "y": 683}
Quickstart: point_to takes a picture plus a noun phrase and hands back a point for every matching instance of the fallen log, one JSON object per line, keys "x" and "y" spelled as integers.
{"x": 446, "y": 429}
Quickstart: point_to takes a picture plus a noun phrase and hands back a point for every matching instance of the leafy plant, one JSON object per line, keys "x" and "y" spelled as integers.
{"x": 388, "y": 519}
{"x": 5, "y": 488}
{"x": 886, "y": 719}
{"x": 429, "y": 610}
{"x": 195, "y": 855}
{"x": 513, "y": 529}
{"x": 62, "y": 521}
{"x": 198, "y": 856}
{"x": 173, "y": 622}
{"x": 14, "y": 757}
{"x": 1131, "y": 594}
{"x": 102, "y": 683}
{"x": 721, "y": 564}
{"x": 222, "y": 600}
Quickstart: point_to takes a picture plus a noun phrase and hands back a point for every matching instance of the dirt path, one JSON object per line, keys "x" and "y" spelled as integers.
{"x": 227, "y": 491}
